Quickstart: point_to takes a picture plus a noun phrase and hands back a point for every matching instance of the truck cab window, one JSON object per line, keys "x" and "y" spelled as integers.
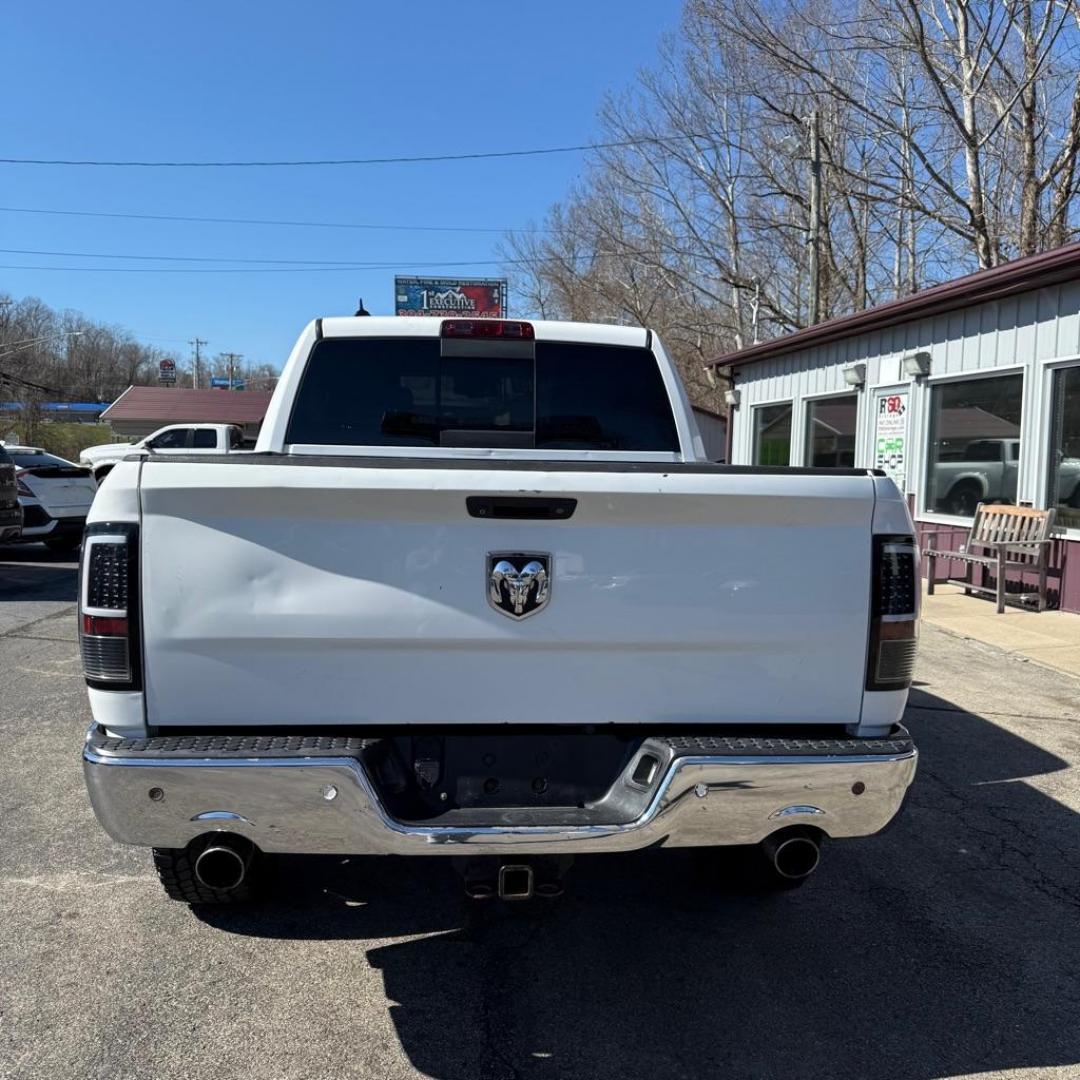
{"x": 177, "y": 439}
{"x": 403, "y": 392}
{"x": 204, "y": 439}
{"x": 984, "y": 450}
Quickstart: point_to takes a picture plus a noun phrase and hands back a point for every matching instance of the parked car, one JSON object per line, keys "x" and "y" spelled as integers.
{"x": 55, "y": 495}
{"x": 174, "y": 439}
{"x": 478, "y": 593}
{"x": 987, "y": 472}
{"x": 11, "y": 514}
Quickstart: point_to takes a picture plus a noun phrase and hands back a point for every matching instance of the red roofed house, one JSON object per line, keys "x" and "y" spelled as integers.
{"x": 140, "y": 410}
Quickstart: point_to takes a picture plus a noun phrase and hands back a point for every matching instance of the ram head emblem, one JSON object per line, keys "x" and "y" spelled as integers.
{"x": 519, "y": 584}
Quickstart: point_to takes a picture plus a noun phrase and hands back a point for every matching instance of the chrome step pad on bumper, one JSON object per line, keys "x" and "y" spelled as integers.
{"x": 304, "y": 793}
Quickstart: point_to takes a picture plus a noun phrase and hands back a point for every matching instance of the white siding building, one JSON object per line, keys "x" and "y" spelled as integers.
{"x": 966, "y": 392}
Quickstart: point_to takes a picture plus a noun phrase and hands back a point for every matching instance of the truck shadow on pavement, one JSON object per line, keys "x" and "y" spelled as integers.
{"x": 946, "y": 946}
{"x": 32, "y": 572}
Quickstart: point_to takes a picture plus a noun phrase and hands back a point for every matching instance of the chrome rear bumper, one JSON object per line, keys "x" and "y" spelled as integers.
{"x": 328, "y": 804}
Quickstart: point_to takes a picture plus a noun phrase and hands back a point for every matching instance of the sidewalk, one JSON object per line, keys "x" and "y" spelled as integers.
{"x": 1051, "y": 638}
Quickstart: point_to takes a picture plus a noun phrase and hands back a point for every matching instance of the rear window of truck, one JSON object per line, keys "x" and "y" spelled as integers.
{"x": 405, "y": 392}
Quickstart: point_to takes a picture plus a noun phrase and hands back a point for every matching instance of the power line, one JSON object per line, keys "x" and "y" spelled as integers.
{"x": 399, "y": 265}
{"x": 266, "y": 221}
{"x": 351, "y": 263}
{"x": 316, "y": 266}
{"x": 420, "y": 159}
{"x": 15, "y": 380}
{"x": 214, "y": 270}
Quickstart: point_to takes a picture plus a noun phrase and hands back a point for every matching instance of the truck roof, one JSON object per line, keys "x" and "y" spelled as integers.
{"x": 423, "y": 326}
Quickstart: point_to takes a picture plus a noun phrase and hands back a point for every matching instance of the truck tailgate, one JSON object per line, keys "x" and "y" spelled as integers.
{"x": 338, "y": 593}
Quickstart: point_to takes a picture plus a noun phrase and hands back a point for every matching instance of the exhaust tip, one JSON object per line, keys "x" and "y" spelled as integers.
{"x": 795, "y": 857}
{"x": 221, "y": 867}
{"x": 515, "y": 882}
{"x": 792, "y": 854}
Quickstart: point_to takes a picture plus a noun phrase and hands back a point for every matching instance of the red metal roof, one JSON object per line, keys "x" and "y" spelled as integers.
{"x": 176, "y": 406}
{"x": 1021, "y": 275}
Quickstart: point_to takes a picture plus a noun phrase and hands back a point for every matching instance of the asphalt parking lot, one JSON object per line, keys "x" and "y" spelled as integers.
{"x": 949, "y": 946}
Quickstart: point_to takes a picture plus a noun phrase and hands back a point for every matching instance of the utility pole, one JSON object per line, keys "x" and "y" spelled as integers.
{"x": 197, "y": 344}
{"x": 814, "y": 238}
{"x": 233, "y": 359}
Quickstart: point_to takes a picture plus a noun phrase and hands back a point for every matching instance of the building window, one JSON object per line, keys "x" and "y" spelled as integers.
{"x": 772, "y": 434}
{"x": 1064, "y": 487}
{"x": 830, "y": 432}
{"x": 974, "y": 443}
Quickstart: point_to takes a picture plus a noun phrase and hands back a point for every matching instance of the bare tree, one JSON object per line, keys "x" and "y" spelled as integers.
{"x": 949, "y": 131}
{"x": 62, "y": 355}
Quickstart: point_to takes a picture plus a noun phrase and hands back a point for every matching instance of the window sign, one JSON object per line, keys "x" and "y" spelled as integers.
{"x": 891, "y": 438}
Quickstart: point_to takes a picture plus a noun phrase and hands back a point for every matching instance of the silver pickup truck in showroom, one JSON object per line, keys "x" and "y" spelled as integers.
{"x": 477, "y": 593}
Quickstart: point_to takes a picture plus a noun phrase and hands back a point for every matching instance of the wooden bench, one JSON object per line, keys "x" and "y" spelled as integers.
{"x": 1002, "y": 538}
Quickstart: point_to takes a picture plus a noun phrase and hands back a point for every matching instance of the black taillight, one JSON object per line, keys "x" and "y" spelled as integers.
{"x": 109, "y": 607}
{"x": 894, "y": 612}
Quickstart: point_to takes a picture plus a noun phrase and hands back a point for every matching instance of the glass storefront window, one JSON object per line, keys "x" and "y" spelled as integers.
{"x": 974, "y": 443}
{"x": 830, "y": 431}
{"x": 772, "y": 434}
{"x": 1064, "y": 486}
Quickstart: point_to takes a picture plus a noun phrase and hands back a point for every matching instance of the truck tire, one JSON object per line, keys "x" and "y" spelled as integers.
{"x": 183, "y": 877}
{"x": 963, "y": 499}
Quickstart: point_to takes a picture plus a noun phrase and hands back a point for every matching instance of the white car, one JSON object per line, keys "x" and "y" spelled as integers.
{"x": 174, "y": 439}
{"x": 55, "y": 495}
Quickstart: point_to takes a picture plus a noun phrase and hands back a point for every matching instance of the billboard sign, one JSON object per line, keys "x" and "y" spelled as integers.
{"x": 222, "y": 382}
{"x": 478, "y": 298}
{"x": 167, "y": 371}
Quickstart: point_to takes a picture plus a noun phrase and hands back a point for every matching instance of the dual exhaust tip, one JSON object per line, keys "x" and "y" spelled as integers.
{"x": 224, "y": 866}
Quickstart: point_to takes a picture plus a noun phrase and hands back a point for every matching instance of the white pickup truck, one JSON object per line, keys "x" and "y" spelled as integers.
{"x": 174, "y": 439}
{"x": 476, "y": 593}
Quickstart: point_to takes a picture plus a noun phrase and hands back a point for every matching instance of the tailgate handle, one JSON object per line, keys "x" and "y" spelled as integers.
{"x": 520, "y": 507}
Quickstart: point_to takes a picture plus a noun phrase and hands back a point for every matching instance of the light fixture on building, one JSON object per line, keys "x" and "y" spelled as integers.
{"x": 918, "y": 364}
{"x": 855, "y": 375}
{"x": 731, "y": 398}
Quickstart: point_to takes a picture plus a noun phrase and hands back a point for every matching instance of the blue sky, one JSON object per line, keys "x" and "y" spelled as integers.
{"x": 205, "y": 81}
